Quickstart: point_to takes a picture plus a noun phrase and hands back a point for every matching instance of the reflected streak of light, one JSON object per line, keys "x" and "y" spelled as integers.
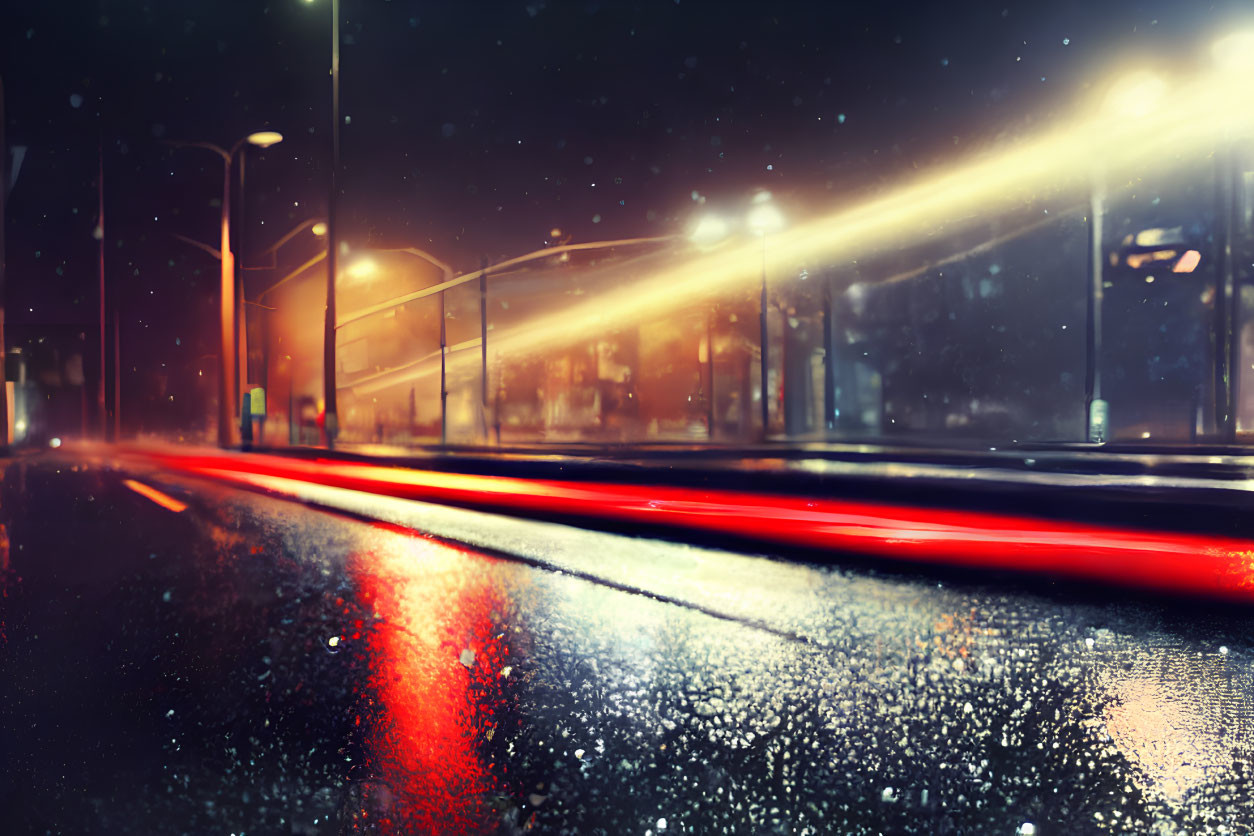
{"x": 1165, "y": 741}
{"x": 167, "y": 502}
{"x": 436, "y": 655}
{"x": 1165, "y": 561}
{"x": 1178, "y": 718}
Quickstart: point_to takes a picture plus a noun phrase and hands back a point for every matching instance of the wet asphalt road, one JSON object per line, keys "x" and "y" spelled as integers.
{"x": 250, "y": 665}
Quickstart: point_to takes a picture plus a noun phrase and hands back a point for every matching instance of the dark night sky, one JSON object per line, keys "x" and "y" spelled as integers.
{"x": 472, "y": 128}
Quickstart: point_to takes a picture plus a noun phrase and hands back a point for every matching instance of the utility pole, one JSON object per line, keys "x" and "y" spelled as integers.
{"x": 1227, "y": 302}
{"x": 241, "y": 315}
{"x": 328, "y": 337}
{"x": 229, "y": 315}
{"x": 100, "y": 235}
{"x": 226, "y": 318}
{"x": 117, "y": 374}
{"x": 709, "y": 363}
{"x": 764, "y": 339}
{"x": 483, "y": 342}
{"x": 443, "y": 380}
{"x": 1096, "y": 414}
{"x": 829, "y": 371}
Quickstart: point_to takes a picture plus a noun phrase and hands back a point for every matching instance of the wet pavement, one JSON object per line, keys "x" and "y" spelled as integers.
{"x": 250, "y": 665}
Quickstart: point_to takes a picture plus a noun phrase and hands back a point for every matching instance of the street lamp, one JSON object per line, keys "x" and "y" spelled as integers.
{"x": 710, "y": 230}
{"x": 362, "y": 268}
{"x": 227, "y": 385}
{"x": 764, "y": 218}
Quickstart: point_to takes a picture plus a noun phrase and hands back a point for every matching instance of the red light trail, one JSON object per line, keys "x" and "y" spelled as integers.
{"x": 1164, "y": 561}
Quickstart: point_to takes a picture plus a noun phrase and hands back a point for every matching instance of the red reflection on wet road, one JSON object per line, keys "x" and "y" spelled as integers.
{"x": 436, "y": 654}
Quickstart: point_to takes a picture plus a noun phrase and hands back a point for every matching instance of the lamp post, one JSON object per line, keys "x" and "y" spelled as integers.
{"x": 331, "y": 420}
{"x": 764, "y": 218}
{"x": 227, "y": 386}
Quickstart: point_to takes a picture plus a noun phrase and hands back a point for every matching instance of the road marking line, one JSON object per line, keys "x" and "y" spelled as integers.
{"x": 167, "y": 502}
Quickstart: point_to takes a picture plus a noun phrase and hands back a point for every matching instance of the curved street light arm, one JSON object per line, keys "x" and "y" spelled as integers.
{"x": 292, "y": 275}
{"x": 217, "y": 149}
{"x": 495, "y": 270}
{"x": 273, "y": 248}
{"x": 213, "y": 251}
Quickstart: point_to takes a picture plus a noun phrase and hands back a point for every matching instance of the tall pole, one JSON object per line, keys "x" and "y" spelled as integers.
{"x": 4, "y": 192}
{"x": 1096, "y": 417}
{"x": 328, "y": 336}
{"x": 766, "y": 403}
{"x": 100, "y": 234}
{"x": 1235, "y": 310}
{"x": 443, "y": 381}
{"x": 709, "y": 363}
{"x": 226, "y": 371}
{"x": 1227, "y": 303}
{"x": 117, "y": 374}
{"x": 829, "y": 371}
{"x": 230, "y": 348}
{"x": 241, "y": 315}
{"x": 483, "y": 343}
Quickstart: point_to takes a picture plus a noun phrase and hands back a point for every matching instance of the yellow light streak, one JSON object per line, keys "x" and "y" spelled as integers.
{"x": 1203, "y": 113}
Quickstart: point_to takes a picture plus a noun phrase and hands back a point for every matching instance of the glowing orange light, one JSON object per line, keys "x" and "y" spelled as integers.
{"x": 1137, "y": 260}
{"x": 1188, "y": 262}
{"x": 363, "y": 268}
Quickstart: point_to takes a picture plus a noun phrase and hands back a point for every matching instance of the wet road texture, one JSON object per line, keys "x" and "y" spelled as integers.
{"x": 252, "y": 665}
